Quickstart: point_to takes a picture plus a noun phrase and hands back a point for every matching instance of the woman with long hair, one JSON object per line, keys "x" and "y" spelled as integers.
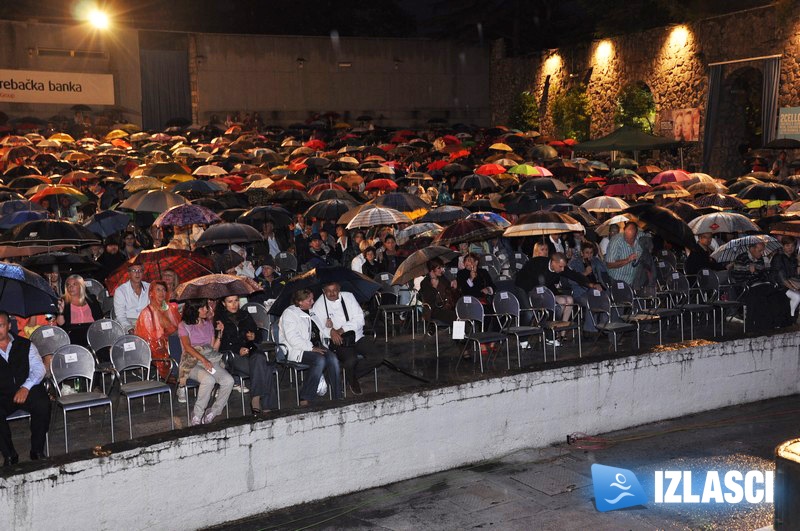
{"x": 77, "y": 309}
{"x": 158, "y": 321}
{"x": 200, "y": 360}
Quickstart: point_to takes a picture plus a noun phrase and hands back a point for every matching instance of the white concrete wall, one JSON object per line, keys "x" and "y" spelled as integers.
{"x": 222, "y": 475}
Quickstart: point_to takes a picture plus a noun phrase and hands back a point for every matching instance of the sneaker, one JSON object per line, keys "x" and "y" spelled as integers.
{"x": 240, "y": 389}
{"x": 736, "y": 320}
{"x": 524, "y": 344}
{"x": 181, "y": 394}
{"x": 196, "y": 421}
{"x": 208, "y": 417}
{"x": 67, "y": 389}
{"x": 553, "y": 342}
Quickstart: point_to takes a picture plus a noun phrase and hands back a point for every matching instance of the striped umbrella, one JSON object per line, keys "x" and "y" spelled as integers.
{"x": 719, "y": 200}
{"x": 378, "y": 216}
{"x": 732, "y": 249}
{"x": 605, "y": 204}
{"x": 410, "y": 205}
{"x": 468, "y": 230}
{"x": 543, "y": 223}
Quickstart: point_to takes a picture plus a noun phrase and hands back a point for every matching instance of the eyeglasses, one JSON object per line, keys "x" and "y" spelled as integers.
{"x": 137, "y": 270}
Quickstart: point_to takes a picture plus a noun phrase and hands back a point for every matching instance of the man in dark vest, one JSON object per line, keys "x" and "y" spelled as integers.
{"x": 21, "y": 374}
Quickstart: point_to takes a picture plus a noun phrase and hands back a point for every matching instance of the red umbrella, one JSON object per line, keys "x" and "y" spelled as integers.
{"x": 461, "y": 153}
{"x": 381, "y": 184}
{"x": 186, "y": 264}
{"x": 670, "y": 176}
{"x": 325, "y": 186}
{"x": 626, "y": 189}
{"x": 490, "y": 169}
{"x": 315, "y": 144}
{"x": 451, "y": 140}
{"x": 287, "y": 184}
{"x": 438, "y": 164}
{"x": 296, "y": 166}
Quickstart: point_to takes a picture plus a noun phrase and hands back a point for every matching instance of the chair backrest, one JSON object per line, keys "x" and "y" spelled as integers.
{"x": 131, "y": 352}
{"x": 385, "y": 280}
{"x": 491, "y": 264}
{"x": 621, "y": 292}
{"x": 518, "y": 261}
{"x": 663, "y": 272}
{"x": 103, "y": 333}
{"x": 94, "y": 287}
{"x": 72, "y": 361}
{"x": 506, "y": 303}
{"x": 48, "y": 339}
{"x": 259, "y": 314}
{"x": 280, "y": 348}
{"x": 542, "y": 298}
{"x": 286, "y": 262}
{"x": 709, "y": 284}
{"x": 598, "y": 302}
{"x": 665, "y": 255}
{"x": 450, "y": 273}
{"x": 469, "y": 308}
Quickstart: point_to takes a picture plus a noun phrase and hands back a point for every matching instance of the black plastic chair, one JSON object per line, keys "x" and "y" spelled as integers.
{"x": 470, "y": 309}
{"x": 543, "y": 304}
{"x": 709, "y": 284}
{"x": 681, "y": 296}
{"x": 507, "y": 308}
{"x": 599, "y": 303}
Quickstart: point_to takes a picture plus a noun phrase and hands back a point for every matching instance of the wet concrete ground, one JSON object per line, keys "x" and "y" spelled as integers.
{"x": 551, "y": 488}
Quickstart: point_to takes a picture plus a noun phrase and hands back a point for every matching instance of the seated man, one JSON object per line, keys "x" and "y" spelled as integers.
{"x": 130, "y": 298}
{"x": 340, "y": 320}
{"x": 21, "y": 374}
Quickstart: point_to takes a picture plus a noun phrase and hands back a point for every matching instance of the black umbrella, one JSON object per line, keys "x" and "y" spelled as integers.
{"x": 577, "y": 212}
{"x": 228, "y": 234}
{"x": 49, "y": 232}
{"x": 330, "y": 209}
{"x": 61, "y": 261}
{"x": 477, "y": 183}
{"x": 107, "y": 222}
{"x": 24, "y": 293}
{"x": 664, "y": 223}
{"x": 445, "y": 214}
{"x": 783, "y": 143}
{"x": 231, "y": 214}
{"x": 416, "y": 265}
{"x": 757, "y": 195}
{"x": 523, "y": 203}
{"x": 257, "y": 216}
{"x": 361, "y": 286}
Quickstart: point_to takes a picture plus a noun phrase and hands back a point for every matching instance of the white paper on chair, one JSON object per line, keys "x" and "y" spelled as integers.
{"x": 128, "y": 346}
{"x": 71, "y": 357}
{"x": 468, "y": 299}
{"x": 252, "y": 309}
{"x": 620, "y": 285}
{"x": 47, "y": 332}
{"x": 105, "y": 325}
{"x": 459, "y": 329}
{"x": 503, "y": 295}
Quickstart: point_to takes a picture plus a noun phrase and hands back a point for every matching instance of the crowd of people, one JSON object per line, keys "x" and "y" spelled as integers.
{"x": 278, "y": 181}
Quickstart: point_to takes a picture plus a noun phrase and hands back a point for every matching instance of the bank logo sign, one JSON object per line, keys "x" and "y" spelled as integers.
{"x": 616, "y": 488}
{"x": 619, "y": 488}
{"x": 38, "y": 86}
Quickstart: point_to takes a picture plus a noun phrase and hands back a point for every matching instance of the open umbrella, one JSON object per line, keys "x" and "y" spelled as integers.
{"x": 63, "y": 261}
{"x": 670, "y": 176}
{"x": 24, "y": 293}
{"x": 706, "y": 188}
{"x": 197, "y": 186}
{"x": 544, "y": 184}
{"x": 216, "y": 286}
{"x": 209, "y": 170}
{"x": 416, "y": 265}
{"x": 228, "y": 234}
{"x": 662, "y": 222}
{"x": 16, "y": 205}
{"x": 523, "y": 203}
{"x": 377, "y": 216}
{"x": 362, "y": 287}
{"x": 477, "y": 183}
{"x": 381, "y": 185}
{"x": 185, "y": 215}
{"x": 491, "y": 217}
{"x": 107, "y": 222}
{"x": 9, "y": 221}
{"x": 143, "y": 182}
{"x": 468, "y": 230}
{"x": 417, "y": 229}
{"x": 728, "y": 252}
{"x": 670, "y": 190}
{"x": 786, "y": 228}
{"x": 329, "y": 210}
{"x": 727, "y": 202}
{"x": 49, "y": 232}
{"x": 410, "y": 205}
{"x": 605, "y": 204}
{"x": 445, "y": 214}
{"x": 722, "y": 222}
{"x": 758, "y": 195}
{"x": 152, "y": 201}
{"x": 257, "y": 216}
{"x": 604, "y": 228}
{"x": 543, "y": 223}
{"x": 186, "y": 264}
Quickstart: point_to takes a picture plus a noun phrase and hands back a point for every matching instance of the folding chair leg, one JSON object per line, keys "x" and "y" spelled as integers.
{"x": 130, "y": 422}
{"x": 375, "y": 370}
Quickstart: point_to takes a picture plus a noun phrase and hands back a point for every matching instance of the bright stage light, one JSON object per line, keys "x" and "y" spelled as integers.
{"x": 98, "y": 19}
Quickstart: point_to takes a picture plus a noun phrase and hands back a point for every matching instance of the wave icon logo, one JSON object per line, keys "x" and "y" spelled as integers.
{"x": 616, "y": 488}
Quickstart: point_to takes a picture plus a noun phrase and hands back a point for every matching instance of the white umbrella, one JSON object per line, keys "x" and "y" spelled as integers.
{"x": 378, "y": 216}
{"x": 732, "y": 249}
{"x": 605, "y": 203}
{"x": 210, "y": 170}
{"x": 543, "y": 223}
{"x": 603, "y": 229}
{"x": 722, "y": 222}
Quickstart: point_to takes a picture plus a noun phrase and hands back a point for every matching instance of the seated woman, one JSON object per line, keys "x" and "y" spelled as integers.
{"x": 156, "y": 323}
{"x": 295, "y": 328}
{"x": 77, "y": 310}
{"x": 785, "y": 271}
{"x": 438, "y": 295}
{"x": 239, "y": 337}
{"x": 474, "y": 280}
{"x": 371, "y": 267}
{"x": 201, "y": 360}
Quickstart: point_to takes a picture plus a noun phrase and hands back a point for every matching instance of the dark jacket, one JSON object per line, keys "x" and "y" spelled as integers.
{"x": 483, "y": 280}
{"x": 783, "y": 268}
{"x": 234, "y": 335}
{"x": 14, "y": 372}
{"x": 536, "y": 272}
{"x": 700, "y": 259}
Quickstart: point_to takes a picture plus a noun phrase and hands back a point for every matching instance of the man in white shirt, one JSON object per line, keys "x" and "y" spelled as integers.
{"x": 130, "y": 298}
{"x": 340, "y": 320}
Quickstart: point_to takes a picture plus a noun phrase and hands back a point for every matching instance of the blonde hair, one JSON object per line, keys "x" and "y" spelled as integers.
{"x": 81, "y": 290}
{"x": 539, "y": 247}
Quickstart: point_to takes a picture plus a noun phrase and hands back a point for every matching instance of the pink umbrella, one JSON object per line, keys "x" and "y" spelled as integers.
{"x": 670, "y": 176}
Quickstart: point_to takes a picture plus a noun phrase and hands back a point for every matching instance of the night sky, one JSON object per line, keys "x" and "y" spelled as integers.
{"x": 527, "y": 25}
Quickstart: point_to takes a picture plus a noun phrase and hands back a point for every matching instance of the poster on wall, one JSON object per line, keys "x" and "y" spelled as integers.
{"x": 789, "y": 123}
{"x": 686, "y": 125}
{"x": 34, "y": 86}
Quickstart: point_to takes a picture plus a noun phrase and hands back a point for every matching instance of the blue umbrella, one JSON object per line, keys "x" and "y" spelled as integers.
{"x": 108, "y": 223}
{"x": 491, "y": 217}
{"x": 16, "y": 205}
{"x": 24, "y": 293}
{"x": 362, "y": 287}
{"x": 9, "y": 221}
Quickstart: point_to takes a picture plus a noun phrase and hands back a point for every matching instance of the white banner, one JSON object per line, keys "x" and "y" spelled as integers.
{"x": 34, "y": 86}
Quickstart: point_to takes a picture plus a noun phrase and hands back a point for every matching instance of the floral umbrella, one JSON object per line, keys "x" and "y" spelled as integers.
{"x": 185, "y": 215}
{"x": 214, "y": 287}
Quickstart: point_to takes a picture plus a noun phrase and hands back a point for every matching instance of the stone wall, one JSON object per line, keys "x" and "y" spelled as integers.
{"x": 672, "y": 61}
